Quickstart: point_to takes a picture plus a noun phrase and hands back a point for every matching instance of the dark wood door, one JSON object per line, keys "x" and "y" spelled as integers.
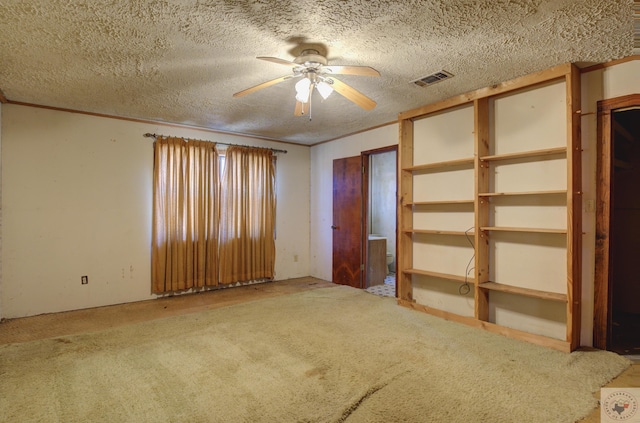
{"x": 347, "y": 222}
{"x": 624, "y": 232}
{"x": 614, "y": 156}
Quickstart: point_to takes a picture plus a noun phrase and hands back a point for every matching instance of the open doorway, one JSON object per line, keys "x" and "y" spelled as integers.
{"x": 380, "y": 186}
{"x": 617, "y": 284}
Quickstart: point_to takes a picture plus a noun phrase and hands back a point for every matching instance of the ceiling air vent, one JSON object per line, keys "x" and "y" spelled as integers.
{"x": 433, "y": 78}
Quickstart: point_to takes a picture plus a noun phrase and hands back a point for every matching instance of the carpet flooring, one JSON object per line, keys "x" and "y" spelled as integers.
{"x": 332, "y": 354}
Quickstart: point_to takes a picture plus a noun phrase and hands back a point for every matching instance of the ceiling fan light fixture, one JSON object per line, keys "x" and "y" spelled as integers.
{"x": 302, "y": 90}
{"x": 302, "y": 98}
{"x": 312, "y": 68}
{"x": 324, "y": 89}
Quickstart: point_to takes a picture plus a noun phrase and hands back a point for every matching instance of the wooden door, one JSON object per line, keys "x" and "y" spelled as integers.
{"x": 607, "y": 264}
{"x": 347, "y": 222}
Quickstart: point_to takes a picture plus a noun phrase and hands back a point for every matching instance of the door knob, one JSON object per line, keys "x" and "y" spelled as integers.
{"x": 334, "y": 227}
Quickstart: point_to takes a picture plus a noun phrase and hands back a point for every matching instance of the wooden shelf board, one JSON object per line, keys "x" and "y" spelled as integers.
{"x": 438, "y": 203}
{"x": 505, "y": 194}
{"x": 446, "y": 276}
{"x": 545, "y": 341}
{"x": 448, "y": 165}
{"x": 438, "y": 232}
{"x": 545, "y": 295}
{"x": 525, "y": 154}
{"x": 531, "y": 230}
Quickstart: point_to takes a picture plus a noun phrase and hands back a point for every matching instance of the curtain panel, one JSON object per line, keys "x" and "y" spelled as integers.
{"x": 185, "y": 215}
{"x": 247, "y": 215}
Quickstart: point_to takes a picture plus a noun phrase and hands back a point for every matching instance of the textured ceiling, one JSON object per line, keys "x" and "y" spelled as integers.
{"x": 181, "y": 61}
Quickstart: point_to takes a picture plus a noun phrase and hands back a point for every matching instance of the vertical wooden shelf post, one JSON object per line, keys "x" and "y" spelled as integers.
{"x": 481, "y": 206}
{"x": 574, "y": 208}
{"x": 405, "y": 184}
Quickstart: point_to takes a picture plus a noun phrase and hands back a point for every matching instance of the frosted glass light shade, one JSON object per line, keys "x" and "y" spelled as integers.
{"x": 324, "y": 89}
{"x": 302, "y": 90}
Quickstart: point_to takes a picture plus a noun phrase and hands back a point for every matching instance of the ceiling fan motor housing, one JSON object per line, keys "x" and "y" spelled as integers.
{"x": 311, "y": 59}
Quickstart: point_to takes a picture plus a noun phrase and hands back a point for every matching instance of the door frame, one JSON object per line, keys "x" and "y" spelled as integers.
{"x": 366, "y": 156}
{"x": 602, "y": 307}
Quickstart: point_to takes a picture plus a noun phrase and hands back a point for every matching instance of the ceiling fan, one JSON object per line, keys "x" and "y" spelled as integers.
{"x": 314, "y": 71}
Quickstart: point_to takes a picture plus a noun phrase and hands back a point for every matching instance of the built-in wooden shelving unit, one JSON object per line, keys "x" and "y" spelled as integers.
{"x": 490, "y": 187}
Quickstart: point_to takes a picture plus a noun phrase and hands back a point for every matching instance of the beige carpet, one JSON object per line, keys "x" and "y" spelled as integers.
{"x": 327, "y": 355}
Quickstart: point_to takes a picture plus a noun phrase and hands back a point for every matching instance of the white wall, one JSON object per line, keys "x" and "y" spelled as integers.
{"x": 609, "y": 82}
{"x": 322, "y": 156}
{"x": 77, "y": 195}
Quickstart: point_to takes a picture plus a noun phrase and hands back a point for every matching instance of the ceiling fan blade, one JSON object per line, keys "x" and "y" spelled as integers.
{"x": 352, "y": 94}
{"x": 352, "y": 70}
{"x": 279, "y": 61}
{"x": 299, "y": 110}
{"x": 263, "y": 85}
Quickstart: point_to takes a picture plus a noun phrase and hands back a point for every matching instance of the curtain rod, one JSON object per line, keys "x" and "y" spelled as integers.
{"x": 150, "y": 135}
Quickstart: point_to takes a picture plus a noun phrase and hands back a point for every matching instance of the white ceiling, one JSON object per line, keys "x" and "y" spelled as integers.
{"x": 181, "y": 61}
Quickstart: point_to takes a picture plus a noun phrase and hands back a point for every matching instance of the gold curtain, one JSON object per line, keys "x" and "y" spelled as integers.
{"x": 247, "y": 215}
{"x": 185, "y": 215}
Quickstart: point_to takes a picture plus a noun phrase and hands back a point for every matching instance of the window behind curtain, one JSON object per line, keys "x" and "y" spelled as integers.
{"x": 247, "y": 215}
{"x": 185, "y": 215}
{"x": 207, "y": 228}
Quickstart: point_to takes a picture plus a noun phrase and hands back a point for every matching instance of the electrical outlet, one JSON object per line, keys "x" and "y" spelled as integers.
{"x": 84, "y": 280}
